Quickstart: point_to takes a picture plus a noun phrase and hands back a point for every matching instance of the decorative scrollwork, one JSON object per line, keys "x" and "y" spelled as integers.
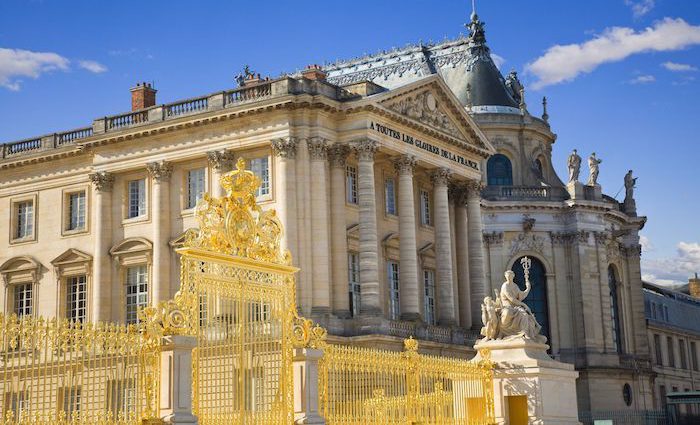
{"x": 306, "y": 333}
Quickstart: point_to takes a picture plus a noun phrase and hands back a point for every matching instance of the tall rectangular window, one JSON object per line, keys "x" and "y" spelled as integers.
{"x": 425, "y": 218}
{"x": 393, "y": 281}
{"x": 76, "y": 302}
{"x": 671, "y": 352}
{"x": 24, "y": 215}
{"x": 657, "y": 350}
{"x": 354, "y": 282}
{"x": 390, "y": 196}
{"x": 76, "y": 211}
{"x": 195, "y": 187}
{"x": 261, "y": 168}
{"x": 682, "y": 352}
{"x": 429, "y": 301}
{"x": 136, "y": 292}
{"x": 351, "y": 184}
{"x": 71, "y": 400}
{"x": 137, "y": 198}
{"x": 694, "y": 355}
{"x": 662, "y": 395}
{"x": 24, "y": 299}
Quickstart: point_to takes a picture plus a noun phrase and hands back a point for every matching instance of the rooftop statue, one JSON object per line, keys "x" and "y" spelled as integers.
{"x": 593, "y": 165}
{"x": 630, "y": 183}
{"x": 574, "y": 164}
{"x": 507, "y": 316}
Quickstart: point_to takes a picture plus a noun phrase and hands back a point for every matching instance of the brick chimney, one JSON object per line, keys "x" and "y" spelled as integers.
{"x": 314, "y": 72}
{"x": 142, "y": 96}
{"x": 694, "y": 286}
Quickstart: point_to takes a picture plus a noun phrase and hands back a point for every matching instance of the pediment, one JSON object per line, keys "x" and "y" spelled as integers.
{"x": 71, "y": 256}
{"x": 131, "y": 245}
{"x": 431, "y": 103}
{"x": 18, "y": 264}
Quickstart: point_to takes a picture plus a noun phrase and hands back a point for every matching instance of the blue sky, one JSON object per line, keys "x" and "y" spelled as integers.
{"x": 621, "y": 76}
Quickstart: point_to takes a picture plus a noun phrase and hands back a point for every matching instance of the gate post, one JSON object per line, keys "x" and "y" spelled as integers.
{"x": 306, "y": 388}
{"x": 176, "y": 380}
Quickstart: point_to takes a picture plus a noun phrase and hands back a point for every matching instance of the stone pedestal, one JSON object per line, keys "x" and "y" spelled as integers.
{"x": 525, "y": 376}
{"x": 597, "y": 191}
{"x": 575, "y": 190}
{"x": 176, "y": 380}
{"x": 306, "y": 386}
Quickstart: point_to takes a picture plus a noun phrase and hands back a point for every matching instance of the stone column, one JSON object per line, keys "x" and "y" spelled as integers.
{"x": 306, "y": 391}
{"x": 337, "y": 154}
{"x": 370, "y": 304}
{"x": 408, "y": 250}
{"x": 220, "y": 163}
{"x": 443, "y": 247}
{"x": 320, "y": 248}
{"x": 285, "y": 150}
{"x": 160, "y": 215}
{"x": 477, "y": 277}
{"x": 102, "y": 183}
{"x": 462, "y": 248}
{"x": 176, "y": 380}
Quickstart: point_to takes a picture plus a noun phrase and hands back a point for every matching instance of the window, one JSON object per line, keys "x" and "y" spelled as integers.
{"x": 657, "y": 350}
{"x": 18, "y": 403}
{"x": 71, "y": 400}
{"x": 195, "y": 187}
{"x": 662, "y": 395}
{"x": 122, "y": 397}
{"x": 393, "y": 280}
{"x": 390, "y": 196}
{"x": 351, "y": 184}
{"x": 24, "y": 219}
{"x": 137, "y": 198}
{"x": 76, "y": 211}
{"x": 537, "y": 299}
{"x": 76, "y": 302}
{"x": 354, "y": 282}
{"x": 671, "y": 353}
{"x": 425, "y": 218}
{"x": 683, "y": 355}
{"x": 23, "y": 299}
{"x": 538, "y": 167}
{"x": 261, "y": 168}
{"x": 694, "y": 355}
{"x": 653, "y": 310}
{"x": 614, "y": 310}
{"x": 136, "y": 292}
{"x": 429, "y": 301}
{"x": 499, "y": 171}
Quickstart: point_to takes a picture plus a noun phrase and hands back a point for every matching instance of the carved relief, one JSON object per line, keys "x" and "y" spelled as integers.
{"x": 160, "y": 171}
{"x": 365, "y": 149}
{"x": 285, "y": 147}
{"x": 527, "y": 242}
{"x": 424, "y": 107}
{"x": 338, "y": 154}
{"x": 493, "y": 238}
{"x": 102, "y": 181}
{"x": 318, "y": 148}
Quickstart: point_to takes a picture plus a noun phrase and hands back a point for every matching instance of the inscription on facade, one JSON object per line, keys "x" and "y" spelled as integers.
{"x": 425, "y": 146}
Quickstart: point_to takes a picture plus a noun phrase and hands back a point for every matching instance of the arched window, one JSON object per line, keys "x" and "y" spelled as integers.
{"x": 615, "y": 309}
{"x": 539, "y": 167}
{"x": 537, "y": 299}
{"x": 499, "y": 171}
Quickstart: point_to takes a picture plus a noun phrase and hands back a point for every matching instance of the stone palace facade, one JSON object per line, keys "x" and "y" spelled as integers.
{"x": 407, "y": 182}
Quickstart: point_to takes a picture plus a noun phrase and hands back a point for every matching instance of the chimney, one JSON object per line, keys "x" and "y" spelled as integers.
{"x": 314, "y": 72}
{"x": 142, "y": 96}
{"x": 694, "y": 286}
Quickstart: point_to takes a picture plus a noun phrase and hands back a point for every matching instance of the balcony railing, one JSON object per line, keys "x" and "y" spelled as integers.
{"x": 118, "y": 122}
{"x": 71, "y": 136}
{"x": 245, "y": 94}
{"x": 524, "y": 193}
{"x": 187, "y": 107}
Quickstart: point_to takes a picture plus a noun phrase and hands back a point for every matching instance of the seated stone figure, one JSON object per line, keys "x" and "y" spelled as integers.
{"x": 508, "y": 317}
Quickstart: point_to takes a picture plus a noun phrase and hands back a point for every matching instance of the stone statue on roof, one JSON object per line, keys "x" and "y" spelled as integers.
{"x": 574, "y": 164}
{"x": 630, "y": 183}
{"x": 594, "y": 167}
{"x": 515, "y": 87}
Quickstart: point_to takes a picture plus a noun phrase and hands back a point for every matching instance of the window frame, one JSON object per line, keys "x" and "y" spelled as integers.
{"x": 14, "y": 219}
{"x": 352, "y": 196}
{"x": 32, "y": 298}
{"x": 394, "y": 287}
{"x": 66, "y": 229}
{"x": 354, "y": 286}
{"x": 125, "y": 284}
{"x": 186, "y": 206}
{"x": 390, "y": 200}
{"x": 249, "y": 164}
{"x": 430, "y": 317}
{"x": 670, "y": 348}
{"x": 658, "y": 351}
{"x": 68, "y": 301}
{"x": 426, "y": 207}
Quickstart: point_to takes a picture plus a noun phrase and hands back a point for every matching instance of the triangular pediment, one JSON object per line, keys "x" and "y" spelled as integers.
{"x": 71, "y": 256}
{"x": 431, "y": 103}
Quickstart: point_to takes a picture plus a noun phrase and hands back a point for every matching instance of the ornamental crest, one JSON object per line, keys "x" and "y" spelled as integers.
{"x": 527, "y": 242}
{"x": 424, "y": 107}
{"x": 235, "y": 224}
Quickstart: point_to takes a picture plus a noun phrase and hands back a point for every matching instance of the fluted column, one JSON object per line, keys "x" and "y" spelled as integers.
{"x": 443, "y": 247}
{"x": 320, "y": 248}
{"x": 338, "y": 154}
{"x": 408, "y": 251}
{"x": 285, "y": 150}
{"x": 462, "y": 248}
{"x": 369, "y": 257}
{"x": 220, "y": 163}
{"x": 477, "y": 278}
{"x": 102, "y": 183}
{"x": 160, "y": 209}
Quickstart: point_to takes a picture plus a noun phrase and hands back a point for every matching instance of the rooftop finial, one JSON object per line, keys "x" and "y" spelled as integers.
{"x": 545, "y": 115}
{"x": 477, "y": 34}
{"x": 473, "y": 9}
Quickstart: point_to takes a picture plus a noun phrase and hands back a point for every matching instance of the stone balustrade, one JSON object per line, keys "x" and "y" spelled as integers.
{"x": 43, "y": 143}
{"x": 524, "y": 193}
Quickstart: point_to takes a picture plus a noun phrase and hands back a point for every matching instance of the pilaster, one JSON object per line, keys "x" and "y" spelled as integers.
{"x": 102, "y": 183}
{"x": 284, "y": 151}
{"x": 408, "y": 251}
{"x": 462, "y": 251}
{"x": 337, "y": 155}
{"x": 443, "y": 246}
{"x": 477, "y": 276}
{"x": 160, "y": 173}
{"x": 320, "y": 248}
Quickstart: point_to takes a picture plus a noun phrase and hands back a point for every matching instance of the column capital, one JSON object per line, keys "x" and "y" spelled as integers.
{"x": 441, "y": 176}
{"x": 160, "y": 171}
{"x": 102, "y": 181}
{"x": 365, "y": 149}
{"x": 338, "y": 154}
{"x": 285, "y": 147}
{"x": 405, "y": 164}
{"x": 318, "y": 148}
{"x": 219, "y": 160}
{"x": 458, "y": 194}
{"x": 473, "y": 187}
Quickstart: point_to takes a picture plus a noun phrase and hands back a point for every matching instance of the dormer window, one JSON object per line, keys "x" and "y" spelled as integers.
{"x": 499, "y": 171}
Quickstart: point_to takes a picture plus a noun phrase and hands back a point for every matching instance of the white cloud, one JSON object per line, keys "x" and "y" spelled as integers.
{"x": 673, "y": 270}
{"x": 17, "y": 63}
{"x": 679, "y": 67}
{"x": 498, "y": 60}
{"x": 643, "y": 79}
{"x": 562, "y": 63}
{"x": 640, "y": 7}
{"x": 646, "y": 243}
{"x": 92, "y": 66}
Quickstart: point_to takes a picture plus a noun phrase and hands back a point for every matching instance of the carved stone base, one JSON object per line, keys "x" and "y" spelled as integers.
{"x": 575, "y": 190}
{"x": 523, "y": 368}
{"x": 596, "y": 192}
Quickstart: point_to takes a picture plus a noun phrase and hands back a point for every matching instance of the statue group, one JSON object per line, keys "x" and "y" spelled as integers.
{"x": 574, "y": 165}
{"x": 506, "y": 316}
